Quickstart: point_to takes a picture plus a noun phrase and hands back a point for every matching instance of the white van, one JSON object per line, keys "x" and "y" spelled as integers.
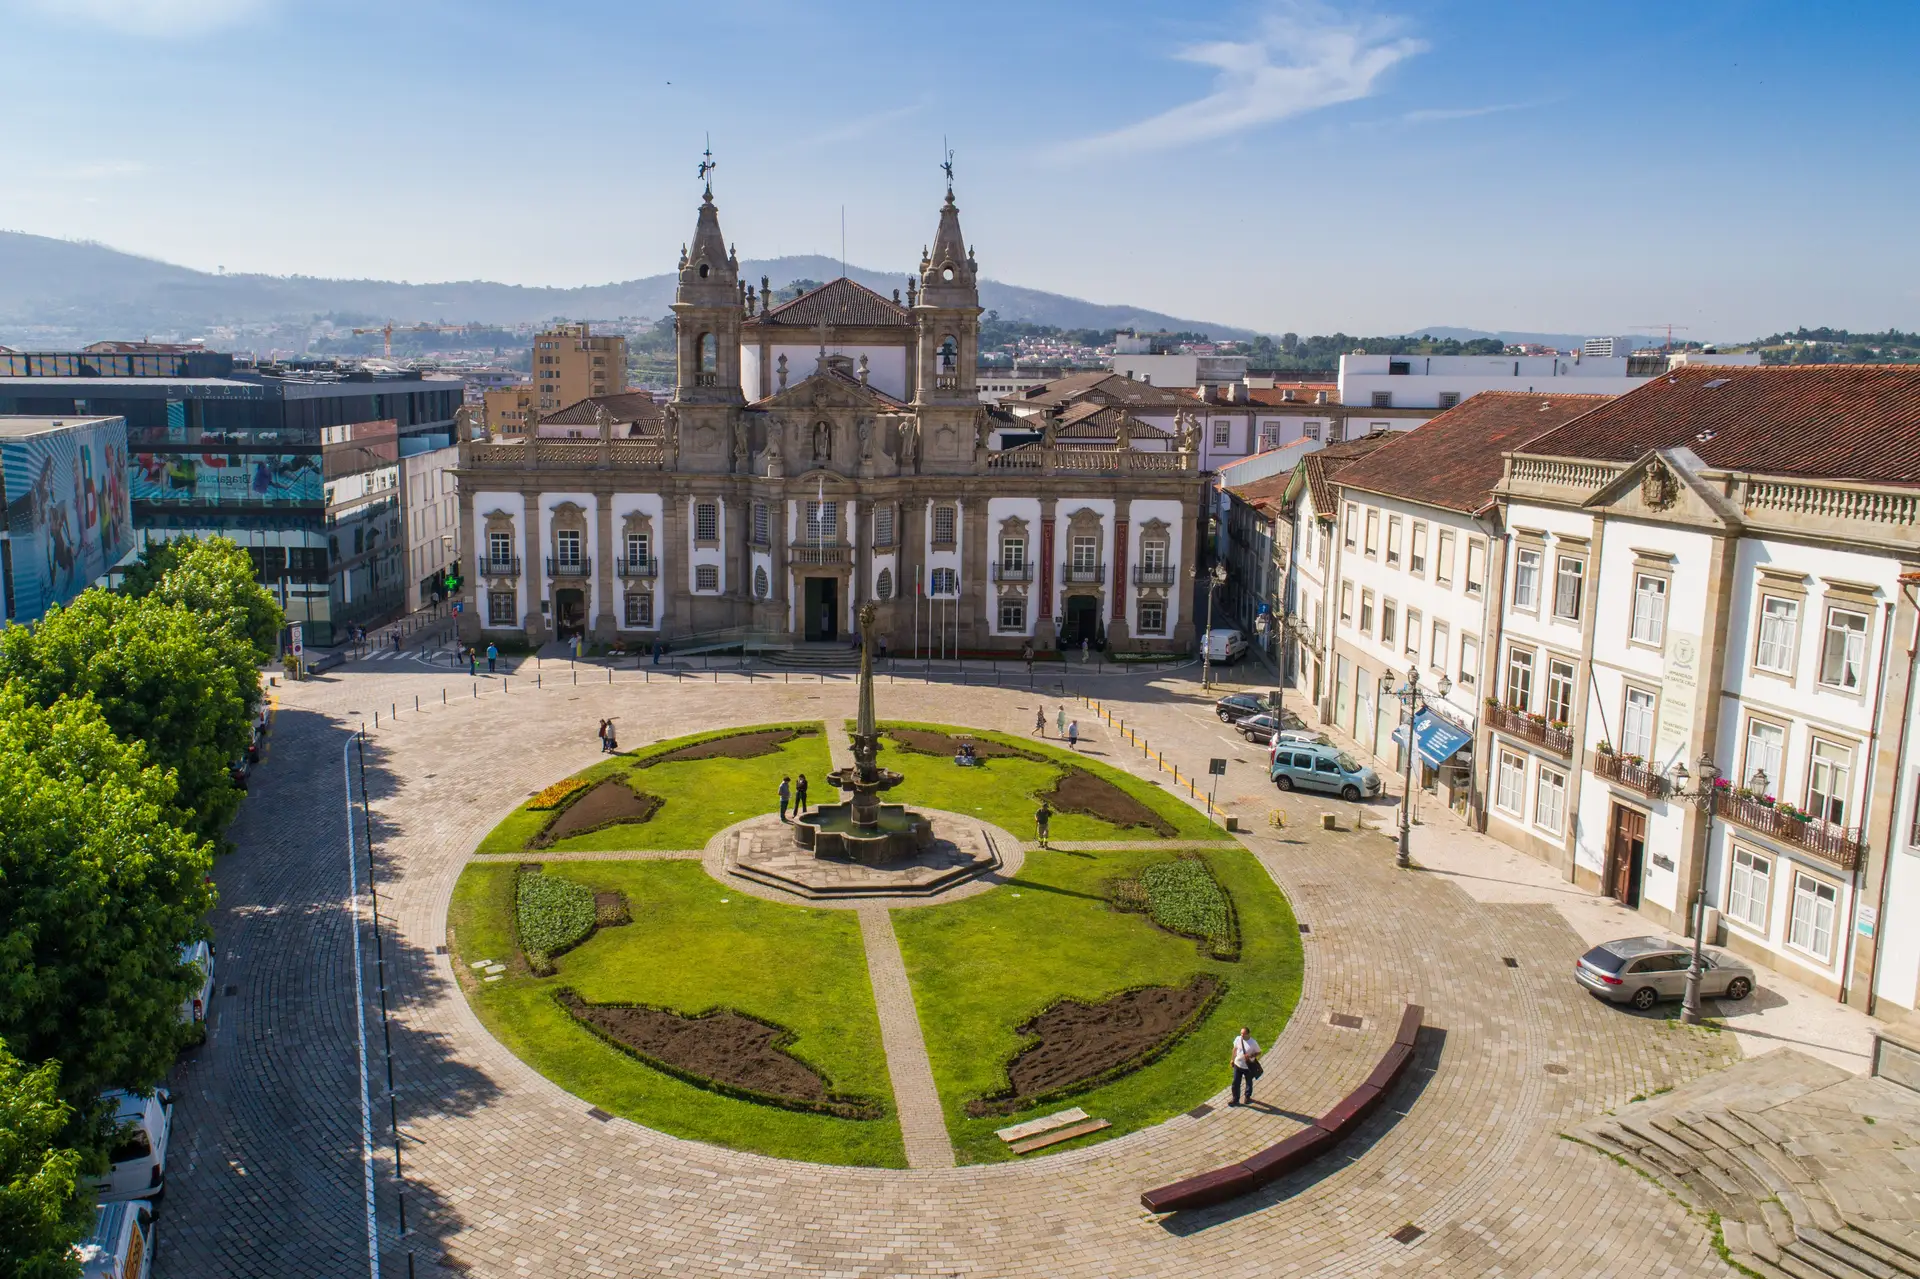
{"x": 121, "y": 1244}
{"x": 1225, "y": 646}
{"x": 139, "y": 1160}
{"x": 193, "y": 1009}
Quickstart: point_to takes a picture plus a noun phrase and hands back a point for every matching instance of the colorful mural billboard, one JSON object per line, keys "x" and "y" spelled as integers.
{"x": 69, "y": 515}
{"x": 227, "y": 479}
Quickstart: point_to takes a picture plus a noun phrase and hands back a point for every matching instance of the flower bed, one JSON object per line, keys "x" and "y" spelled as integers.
{"x": 551, "y": 915}
{"x": 1183, "y": 897}
{"x": 558, "y": 793}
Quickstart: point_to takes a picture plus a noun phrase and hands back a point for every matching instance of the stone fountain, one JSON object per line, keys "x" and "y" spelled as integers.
{"x": 863, "y": 829}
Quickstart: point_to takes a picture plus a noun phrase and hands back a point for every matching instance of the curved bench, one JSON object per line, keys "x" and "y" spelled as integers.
{"x": 1303, "y": 1147}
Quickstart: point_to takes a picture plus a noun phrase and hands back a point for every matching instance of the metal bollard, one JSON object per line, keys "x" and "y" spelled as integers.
{"x": 443, "y": 695}
{"x": 476, "y": 688}
{"x": 536, "y": 679}
{"x": 416, "y": 701}
{"x": 576, "y": 679}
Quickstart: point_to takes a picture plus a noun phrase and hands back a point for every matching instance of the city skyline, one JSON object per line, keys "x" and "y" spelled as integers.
{"x": 1373, "y": 170}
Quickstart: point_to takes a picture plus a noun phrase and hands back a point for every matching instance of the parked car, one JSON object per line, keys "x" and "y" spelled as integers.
{"x": 1235, "y": 707}
{"x": 1310, "y": 766}
{"x": 193, "y": 1009}
{"x": 120, "y": 1246}
{"x": 1304, "y": 736}
{"x": 1259, "y": 728}
{"x": 1224, "y": 646}
{"x": 139, "y": 1159}
{"x": 1642, "y": 971}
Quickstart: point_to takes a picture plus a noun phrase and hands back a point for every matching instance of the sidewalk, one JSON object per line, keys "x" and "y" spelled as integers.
{"x": 1781, "y": 1013}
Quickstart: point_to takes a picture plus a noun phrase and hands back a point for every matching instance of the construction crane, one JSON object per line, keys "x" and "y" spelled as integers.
{"x": 1663, "y": 324}
{"x": 387, "y": 330}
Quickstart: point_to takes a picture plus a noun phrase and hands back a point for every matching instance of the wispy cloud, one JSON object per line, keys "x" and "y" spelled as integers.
{"x": 164, "y": 18}
{"x": 1303, "y": 58}
{"x": 866, "y": 125}
{"x": 1427, "y": 114}
{"x": 98, "y": 170}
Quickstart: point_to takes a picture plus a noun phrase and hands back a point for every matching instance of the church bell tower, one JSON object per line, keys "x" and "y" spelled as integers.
{"x": 947, "y": 316}
{"x": 707, "y": 315}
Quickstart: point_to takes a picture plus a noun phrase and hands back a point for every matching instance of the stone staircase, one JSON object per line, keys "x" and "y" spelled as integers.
{"x": 1810, "y": 1169}
{"x": 814, "y": 657}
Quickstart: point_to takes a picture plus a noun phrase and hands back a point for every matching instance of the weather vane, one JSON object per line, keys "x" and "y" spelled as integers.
{"x": 707, "y": 165}
{"x": 946, "y": 165}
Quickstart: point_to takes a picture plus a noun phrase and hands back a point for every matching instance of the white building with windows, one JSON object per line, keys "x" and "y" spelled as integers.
{"x": 1710, "y": 581}
{"x": 1442, "y": 381}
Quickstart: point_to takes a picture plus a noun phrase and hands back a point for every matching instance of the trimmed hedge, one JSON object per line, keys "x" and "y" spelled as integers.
{"x": 551, "y": 915}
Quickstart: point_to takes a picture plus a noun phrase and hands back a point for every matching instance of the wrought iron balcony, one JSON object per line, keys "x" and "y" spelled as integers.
{"x": 1166, "y": 575}
{"x": 582, "y": 567}
{"x": 627, "y": 568}
{"x": 1843, "y": 846}
{"x": 1090, "y": 573}
{"x": 1012, "y": 572}
{"x": 1532, "y": 727}
{"x": 1641, "y": 777}
{"x": 500, "y": 566}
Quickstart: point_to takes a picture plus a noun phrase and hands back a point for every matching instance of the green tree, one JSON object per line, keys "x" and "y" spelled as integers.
{"x": 43, "y": 1209}
{"x": 213, "y": 578}
{"x": 185, "y": 688}
{"x": 99, "y": 889}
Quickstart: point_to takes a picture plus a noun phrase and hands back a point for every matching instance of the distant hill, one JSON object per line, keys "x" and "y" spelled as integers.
{"x": 1562, "y": 341}
{"x": 88, "y": 291}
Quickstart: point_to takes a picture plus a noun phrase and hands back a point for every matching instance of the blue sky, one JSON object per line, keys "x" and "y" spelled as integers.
{"x": 1733, "y": 166}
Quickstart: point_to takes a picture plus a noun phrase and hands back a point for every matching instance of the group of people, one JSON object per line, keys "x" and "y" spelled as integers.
{"x": 796, "y": 792}
{"x": 1069, "y": 728}
{"x": 473, "y": 660}
{"x": 608, "y": 743}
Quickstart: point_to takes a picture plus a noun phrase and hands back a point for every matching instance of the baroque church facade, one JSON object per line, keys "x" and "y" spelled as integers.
{"x": 822, "y": 453}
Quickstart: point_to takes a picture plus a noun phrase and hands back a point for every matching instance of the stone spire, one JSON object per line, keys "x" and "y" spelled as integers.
{"x": 709, "y": 273}
{"x": 947, "y": 272}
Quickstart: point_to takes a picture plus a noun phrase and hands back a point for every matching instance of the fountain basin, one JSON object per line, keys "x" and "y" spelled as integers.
{"x": 832, "y": 834}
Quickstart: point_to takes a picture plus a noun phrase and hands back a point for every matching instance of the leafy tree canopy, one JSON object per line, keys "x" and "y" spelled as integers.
{"x": 99, "y": 889}
{"x": 214, "y": 578}
{"x": 162, "y": 677}
{"x": 43, "y": 1209}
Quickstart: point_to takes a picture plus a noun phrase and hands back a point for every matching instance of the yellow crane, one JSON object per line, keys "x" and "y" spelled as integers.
{"x": 387, "y": 330}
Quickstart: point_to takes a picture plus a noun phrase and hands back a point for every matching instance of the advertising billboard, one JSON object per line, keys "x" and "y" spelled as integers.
{"x": 227, "y": 479}
{"x": 68, "y": 511}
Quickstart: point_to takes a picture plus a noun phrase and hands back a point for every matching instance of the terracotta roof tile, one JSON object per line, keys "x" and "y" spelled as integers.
{"x": 1826, "y": 421}
{"x": 1454, "y": 460}
{"x": 1111, "y": 386}
{"x": 636, "y": 407}
{"x": 1322, "y": 465}
{"x": 842, "y": 301}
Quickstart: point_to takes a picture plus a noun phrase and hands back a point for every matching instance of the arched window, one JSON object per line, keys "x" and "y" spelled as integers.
{"x": 949, "y": 353}
{"x": 883, "y": 585}
{"x": 703, "y": 270}
{"x": 709, "y": 352}
{"x": 760, "y": 583}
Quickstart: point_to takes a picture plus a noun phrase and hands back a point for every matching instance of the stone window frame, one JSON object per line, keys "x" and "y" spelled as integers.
{"x": 1659, "y": 566}
{"x": 1014, "y": 528}
{"x": 1468, "y": 678}
{"x": 1784, "y": 725}
{"x": 633, "y": 602}
{"x": 1567, "y": 551}
{"x": 1443, "y": 552}
{"x": 1532, "y": 542}
{"x": 495, "y": 597}
{"x": 1467, "y": 582}
{"x": 706, "y": 504}
{"x": 1346, "y": 602}
{"x": 1413, "y": 633}
{"x": 1141, "y": 626}
{"x": 1848, "y": 597}
{"x": 951, "y": 510}
{"x": 1370, "y": 533}
{"x": 1835, "y": 933}
{"x": 1364, "y": 623}
{"x": 569, "y": 517}
{"x": 1417, "y": 535}
{"x": 1087, "y": 522}
{"x": 1571, "y": 660}
{"x": 1011, "y": 599}
{"x": 1439, "y": 645}
{"x": 1396, "y": 534}
{"x": 1501, "y": 772}
{"x": 1782, "y": 585}
{"x": 1350, "y": 516}
{"x": 1156, "y": 530}
{"x": 762, "y": 530}
{"x": 1855, "y": 772}
{"x": 638, "y": 524}
{"x": 1754, "y": 854}
{"x": 1540, "y": 776}
{"x": 701, "y": 573}
{"x": 883, "y": 583}
{"x": 892, "y": 514}
{"x": 1516, "y": 652}
{"x": 1389, "y": 607}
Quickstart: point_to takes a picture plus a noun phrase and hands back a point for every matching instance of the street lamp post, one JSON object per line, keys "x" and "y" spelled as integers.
{"x": 1703, "y": 797}
{"x": 1215, "y": 580}
{"x": 1412, "y": 698}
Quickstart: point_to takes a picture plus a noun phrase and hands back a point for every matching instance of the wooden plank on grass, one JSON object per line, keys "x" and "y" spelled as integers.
{"x": 1034, "y": 1127}
{"x": 1057, "y": 1136}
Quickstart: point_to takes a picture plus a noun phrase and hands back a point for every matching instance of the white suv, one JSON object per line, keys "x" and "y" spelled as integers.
{"x": 139, "y": 1159}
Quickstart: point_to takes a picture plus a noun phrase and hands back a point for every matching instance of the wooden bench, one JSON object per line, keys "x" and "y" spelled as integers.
{"x": 1302, "y": 1147}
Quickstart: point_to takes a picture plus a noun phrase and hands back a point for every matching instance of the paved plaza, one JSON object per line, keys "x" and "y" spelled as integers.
{"x": 501, "y": 1173}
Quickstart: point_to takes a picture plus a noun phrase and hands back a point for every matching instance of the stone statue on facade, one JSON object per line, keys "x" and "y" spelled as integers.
{"x": 781, "y": 372}
{"x": 822, "y": 442}
{"x": 740, "y": 446}
{"x": 776, "y": 460}
{"x": 909, "y": 442}
{"x": 1123, "y": 433}
{"x": 865, "y": 428}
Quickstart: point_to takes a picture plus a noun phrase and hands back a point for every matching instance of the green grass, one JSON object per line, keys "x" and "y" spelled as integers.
{"x": 985, "y": 964}
{"x": 555, "y": 912}
{"x": 1007, "y": 791}
{"x": 687, "y": 950}
{"x": 699, "y": 798}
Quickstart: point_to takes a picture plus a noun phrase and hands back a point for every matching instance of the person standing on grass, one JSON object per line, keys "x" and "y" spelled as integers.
{"x": 1246, "y": 1064}
{"x": 1073, "y": 734}
{"x": 1040, "y": 722}
{"x": 800, "y": 795}
{"x": 786, "y": 790}
{"x": 1041, "y": 817}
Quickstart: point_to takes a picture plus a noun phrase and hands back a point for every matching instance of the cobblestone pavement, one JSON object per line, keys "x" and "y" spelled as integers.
{"x": 506, "y": 1174}
{"x": 922, "y": 1126}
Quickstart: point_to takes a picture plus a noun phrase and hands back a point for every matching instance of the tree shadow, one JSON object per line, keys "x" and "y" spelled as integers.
{"x": 1397, "y": 1105}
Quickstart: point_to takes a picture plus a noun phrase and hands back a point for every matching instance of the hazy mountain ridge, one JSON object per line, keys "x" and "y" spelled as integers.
{"x": 99, "y": 292}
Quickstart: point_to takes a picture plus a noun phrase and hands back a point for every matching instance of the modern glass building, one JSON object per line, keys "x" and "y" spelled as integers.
{"x": 298, "y": 462}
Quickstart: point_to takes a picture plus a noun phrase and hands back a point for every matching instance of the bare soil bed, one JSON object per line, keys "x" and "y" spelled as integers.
{"x": 1078, "y": 1044}
{"x": 723, "y": 1050}
{"x": 1079, "y": 791}
{"x": 923, "y": 741}
{"x": 738, "y": 746}
{"x": 611, "y": 802}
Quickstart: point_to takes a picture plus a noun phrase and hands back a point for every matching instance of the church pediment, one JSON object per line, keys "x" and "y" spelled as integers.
{"x": 1664, "y": 486}
{"x": 820, "y": 475}
{"x": 829, "y": 390}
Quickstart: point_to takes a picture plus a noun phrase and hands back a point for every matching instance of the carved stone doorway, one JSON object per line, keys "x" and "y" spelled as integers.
{"x": 569, "y": 612}
{"x": 822, "y": 618}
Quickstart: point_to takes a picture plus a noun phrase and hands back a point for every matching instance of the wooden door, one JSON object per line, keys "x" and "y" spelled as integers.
{"x": 1626, "y": 849}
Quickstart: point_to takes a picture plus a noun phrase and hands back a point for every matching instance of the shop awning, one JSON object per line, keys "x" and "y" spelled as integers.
{"x": 1439, "y": 740}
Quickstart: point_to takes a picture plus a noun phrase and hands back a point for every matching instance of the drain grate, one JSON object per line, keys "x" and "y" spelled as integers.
{"x": 1346, "y": 1021}
{"x": 1200, "y": 1111}
{"x": 1407, "y": 1233}
{"x": 597, "y": 1113}
{"x": 1509, "y": 961}
{"x": 1306, "y": 928}
{"x": 439, "y": 950}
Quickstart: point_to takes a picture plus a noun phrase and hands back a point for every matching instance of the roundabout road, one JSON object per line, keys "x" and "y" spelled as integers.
{"x": 505, "y": 1174}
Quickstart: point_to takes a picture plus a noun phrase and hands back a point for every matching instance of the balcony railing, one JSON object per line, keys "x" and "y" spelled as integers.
{"x": 503, "y": 566}
{"x": 1843, "y": 846}
{"x": 819, "y": 556}
{"x": 1164, "y": 576}
{"x": 582, "y": 567}
{"x": 1520, "y": 724}
{"x": 649, "y": 567}
{"x": 1090, "y": 573}
{"x": 1647, "y": 780}
{"x": 946, "y": 381}
{"x": 1012, "y": 572}
{"x": 706, "y": 379}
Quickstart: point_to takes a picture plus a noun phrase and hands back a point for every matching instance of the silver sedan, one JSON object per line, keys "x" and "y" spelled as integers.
{"x": 1642, "y": 971}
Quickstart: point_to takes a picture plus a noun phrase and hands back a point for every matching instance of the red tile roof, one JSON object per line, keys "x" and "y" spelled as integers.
{"x": 842, "y": 301}
{"x": 1455, "y": 460}
{"x": 1322, "y": 465}
{"x": 1819, "y": 421}
{"x": 636, "y": 407}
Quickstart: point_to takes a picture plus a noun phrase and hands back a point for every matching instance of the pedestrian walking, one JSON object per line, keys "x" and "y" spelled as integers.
{"x": 1073, "y": 734}
{"x": 1041, "y": 816}
{"x": 396, "y": 638}
{"x": 800, "y": 795}
{"x": 493, "y": 656}
{"x": 883, "y": 649}
{"x": 1026, "y": 655}
{"x": 1060, "y": 722}
{"x": 1083, "y": 649}
{"x": 1246, "y": 1064}
{"x": 1040, "y": 722}
{"x": 613, "y": 739}
{"x": 605, "y": 728}
{"x": 786, "y": 791}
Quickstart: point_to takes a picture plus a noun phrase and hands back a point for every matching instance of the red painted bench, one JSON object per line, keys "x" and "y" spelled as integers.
{"x": 1302, "y": 1147}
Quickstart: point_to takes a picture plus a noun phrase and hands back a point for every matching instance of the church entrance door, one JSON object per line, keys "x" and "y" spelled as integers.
{"x": 569, "y": 612}
{"x": 1082, "y": 622}
{"x": 823, "y": 609}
